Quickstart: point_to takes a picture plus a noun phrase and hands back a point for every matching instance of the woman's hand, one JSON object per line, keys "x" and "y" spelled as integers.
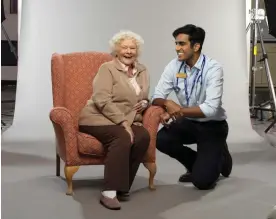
{"x": 141, "y": 106}
{"x": 129, "y": 130}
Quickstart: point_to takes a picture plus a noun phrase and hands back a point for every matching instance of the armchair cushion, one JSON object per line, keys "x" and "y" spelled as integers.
{"x": 88, "y": 145}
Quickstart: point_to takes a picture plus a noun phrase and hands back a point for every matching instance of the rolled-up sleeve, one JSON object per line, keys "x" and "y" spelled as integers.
{"x": 214, "y": 91}
{"x": 165, "y": 84}
{"x": 102, "y": 96}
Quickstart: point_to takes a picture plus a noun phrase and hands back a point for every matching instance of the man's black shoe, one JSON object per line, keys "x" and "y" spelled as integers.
{"x": 123, "y": 196}
{"x": 187, "y": 177}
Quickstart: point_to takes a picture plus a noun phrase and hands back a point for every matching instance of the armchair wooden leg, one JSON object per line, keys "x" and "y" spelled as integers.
{"x": 152, "y": 171}
{"x": 57, "y": 165}
{"x": 69, "y": 172}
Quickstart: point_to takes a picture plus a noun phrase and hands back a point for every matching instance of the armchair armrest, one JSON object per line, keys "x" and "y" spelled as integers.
{"x": 151, "y": 121}
{"x": 66, "y": 134}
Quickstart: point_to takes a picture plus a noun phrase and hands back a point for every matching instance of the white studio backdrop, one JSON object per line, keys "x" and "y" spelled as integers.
{"x": 71, "y": 26}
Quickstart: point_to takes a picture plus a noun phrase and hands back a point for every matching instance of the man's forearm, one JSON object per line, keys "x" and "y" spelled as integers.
{"x": 159, "y": 102}
{"x": 194, "y": 111}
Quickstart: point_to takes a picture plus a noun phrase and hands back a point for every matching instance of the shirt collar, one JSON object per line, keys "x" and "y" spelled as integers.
{"x": 198, "y": 64}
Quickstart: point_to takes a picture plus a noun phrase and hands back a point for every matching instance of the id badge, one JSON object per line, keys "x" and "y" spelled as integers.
{"x": 181, "y": 75}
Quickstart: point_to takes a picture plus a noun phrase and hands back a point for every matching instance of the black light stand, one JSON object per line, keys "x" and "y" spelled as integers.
{"x": 270, "y": 6}
{"x": 256, "y": 16}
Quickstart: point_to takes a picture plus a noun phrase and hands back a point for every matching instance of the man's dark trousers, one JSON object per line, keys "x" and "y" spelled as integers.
{"x": 212, "y": 156}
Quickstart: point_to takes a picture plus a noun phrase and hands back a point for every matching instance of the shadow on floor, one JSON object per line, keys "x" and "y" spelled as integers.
{"x": 144, "y": 203}
{"x": 16, "y": 159}
{"x": 247, "y": 157}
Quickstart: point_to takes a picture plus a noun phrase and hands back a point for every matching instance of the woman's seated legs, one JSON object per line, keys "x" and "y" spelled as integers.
{"x": 117, "y": 143}
{"x": 138, "y": 149}
{"x": 123, "y": 158}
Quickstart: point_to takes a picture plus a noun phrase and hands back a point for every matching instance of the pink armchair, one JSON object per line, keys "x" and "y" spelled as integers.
{"x": 72, "y": 76}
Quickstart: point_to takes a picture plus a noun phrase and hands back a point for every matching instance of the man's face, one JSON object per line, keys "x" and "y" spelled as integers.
{"x": 183, "y": 47}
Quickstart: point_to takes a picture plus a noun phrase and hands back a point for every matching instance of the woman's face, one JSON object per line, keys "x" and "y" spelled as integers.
{"x": 127, "y": 51}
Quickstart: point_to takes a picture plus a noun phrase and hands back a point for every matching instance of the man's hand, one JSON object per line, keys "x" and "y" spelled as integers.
{"x": 173, "y": 109}
{"x": 165, "y": 117}
{"x": 140, "y": 106}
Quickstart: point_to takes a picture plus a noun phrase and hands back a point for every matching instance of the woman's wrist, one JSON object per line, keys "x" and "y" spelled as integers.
{"x": 145, "y": 103}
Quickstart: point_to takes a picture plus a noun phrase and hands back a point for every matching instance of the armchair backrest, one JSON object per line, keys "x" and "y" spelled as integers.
{"x": 72, "y": 77}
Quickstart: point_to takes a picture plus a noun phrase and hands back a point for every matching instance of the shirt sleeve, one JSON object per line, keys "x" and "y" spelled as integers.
{"x": 102, "y": 96}
{"x": 214, "y": 91}
{"x": 165, "y": 84}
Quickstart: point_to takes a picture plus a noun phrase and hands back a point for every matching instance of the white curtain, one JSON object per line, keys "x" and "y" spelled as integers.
{"x": 68, "y": 26}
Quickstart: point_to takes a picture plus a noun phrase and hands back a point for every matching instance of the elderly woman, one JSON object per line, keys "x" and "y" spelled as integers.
{"x": 113, "y": 115}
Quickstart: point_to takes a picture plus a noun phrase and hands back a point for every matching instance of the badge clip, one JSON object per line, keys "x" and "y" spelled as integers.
{"x": 176, "y": 89}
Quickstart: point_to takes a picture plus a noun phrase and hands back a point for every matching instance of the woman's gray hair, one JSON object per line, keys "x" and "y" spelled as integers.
{"x": 123, "y": 35}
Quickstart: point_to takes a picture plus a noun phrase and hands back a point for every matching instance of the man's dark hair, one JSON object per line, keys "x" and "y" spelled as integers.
{"x": 196, "y": 34}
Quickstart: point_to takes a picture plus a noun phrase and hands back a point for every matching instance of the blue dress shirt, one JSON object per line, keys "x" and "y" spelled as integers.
{"x": 207, "y": 91}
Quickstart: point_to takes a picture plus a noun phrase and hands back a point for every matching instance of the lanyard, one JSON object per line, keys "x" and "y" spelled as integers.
{"x": 196, "y": 79}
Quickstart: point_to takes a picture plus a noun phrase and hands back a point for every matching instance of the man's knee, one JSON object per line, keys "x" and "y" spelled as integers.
{"x": 203, "y": 183}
